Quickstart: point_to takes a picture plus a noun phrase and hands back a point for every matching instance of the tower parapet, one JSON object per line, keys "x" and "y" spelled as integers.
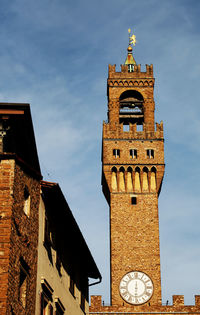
{"x": 112, "y": 73}
{"x": 110, "y": 131}
{"x": 177, "y": 307}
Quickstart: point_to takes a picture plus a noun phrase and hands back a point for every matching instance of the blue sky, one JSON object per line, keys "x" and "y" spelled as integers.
{"x": 54, "y": 55}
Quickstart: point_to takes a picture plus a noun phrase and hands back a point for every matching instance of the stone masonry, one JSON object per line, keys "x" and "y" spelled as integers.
{"x": 18, "y": 237}
{"x": 133, "y": 170}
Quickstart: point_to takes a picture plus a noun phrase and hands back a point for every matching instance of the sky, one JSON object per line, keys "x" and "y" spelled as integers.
{"x": 54, "y": 54}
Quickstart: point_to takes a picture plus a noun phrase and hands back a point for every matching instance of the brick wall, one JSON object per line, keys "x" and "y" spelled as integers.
{"x": 6, "y": 202}
{"x": 21, "y": 238}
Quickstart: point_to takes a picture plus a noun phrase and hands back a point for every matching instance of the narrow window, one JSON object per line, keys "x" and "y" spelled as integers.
{"x": 126, "y": 127}
{"x": 130, "y": 68}
{"x": 46, "y": 298}
{"x": 133, "y": 200}
{"x": 150, "y": 153}
{"x": 60, "y": 309}
{"x": 139, "y": 128}
{"x": 27, "y": 200}
{"x": 72, "y": 286}
{"x": 46, "y": 306}
{"x": 133, "y": 153}
{"x": 23, "y": 282}
{"x": 116, "y": 153}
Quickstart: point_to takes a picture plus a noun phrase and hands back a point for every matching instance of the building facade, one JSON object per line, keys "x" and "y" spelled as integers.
{"x": 20, "y": 178}
{"x": 132, "y": 175}
{"x": 45, "y": 264}
{"x": 65, "y": 263}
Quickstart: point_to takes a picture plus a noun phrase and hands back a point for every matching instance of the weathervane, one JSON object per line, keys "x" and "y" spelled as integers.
{"x": 132, "y": 39}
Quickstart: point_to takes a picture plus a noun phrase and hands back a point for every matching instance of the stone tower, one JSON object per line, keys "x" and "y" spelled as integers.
{"x": 132, "y": 174}
{"x": 133, "y": 169}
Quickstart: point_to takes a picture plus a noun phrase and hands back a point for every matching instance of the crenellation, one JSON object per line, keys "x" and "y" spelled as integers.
{"x": 124, "y": 68}
{"x": 178, "y": 307}
{"x": 137, "y": 73}
{"x": 197, "y": 300}
{"x": 96, "y": 300}
{"x": 111, "y": 69}
{"x": 178, "y": 300}
{"x": 113, "y": 130}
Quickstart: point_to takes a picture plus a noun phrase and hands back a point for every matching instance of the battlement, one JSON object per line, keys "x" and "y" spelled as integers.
{"x": 116, "y": 131}
{"x": 177, "y": 307}
{"x": 125, "y": 73}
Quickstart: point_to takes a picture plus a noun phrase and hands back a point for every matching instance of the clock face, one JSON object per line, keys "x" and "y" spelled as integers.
{"x": 136, "y": 287}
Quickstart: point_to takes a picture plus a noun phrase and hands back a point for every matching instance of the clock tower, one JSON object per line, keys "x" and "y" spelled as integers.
{"x": 133, "y": 169}
{"x": 132, "y": 173}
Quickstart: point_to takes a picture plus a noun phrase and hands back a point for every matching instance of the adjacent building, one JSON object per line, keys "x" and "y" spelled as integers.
{"x": 65, "y": 263}
{"x": 45, "y": 264}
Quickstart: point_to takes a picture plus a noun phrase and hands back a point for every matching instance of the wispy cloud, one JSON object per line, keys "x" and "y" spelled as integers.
{"x": 54, "y": 55}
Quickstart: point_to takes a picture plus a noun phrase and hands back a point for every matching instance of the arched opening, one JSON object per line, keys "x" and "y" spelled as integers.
{"x": 131, "y": 108}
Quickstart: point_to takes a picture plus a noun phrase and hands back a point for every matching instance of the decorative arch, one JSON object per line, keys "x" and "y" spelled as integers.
{"x": 129, "y": 169}
{"x": 131, "y": 109}
{"x": 137, "y": 169}
{"x": 153, "y": 169}
{"x": 122, "y": 169}
{"x": 114, "y": 169}
{"x": 131, "y": 93}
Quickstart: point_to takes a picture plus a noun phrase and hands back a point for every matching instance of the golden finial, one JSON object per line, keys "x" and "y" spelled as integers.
{"x": 132, "y": 39}
{"x": 130, "y": 61}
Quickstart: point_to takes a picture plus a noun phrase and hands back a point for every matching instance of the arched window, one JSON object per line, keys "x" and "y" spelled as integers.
{"x": 131, "y": 108}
